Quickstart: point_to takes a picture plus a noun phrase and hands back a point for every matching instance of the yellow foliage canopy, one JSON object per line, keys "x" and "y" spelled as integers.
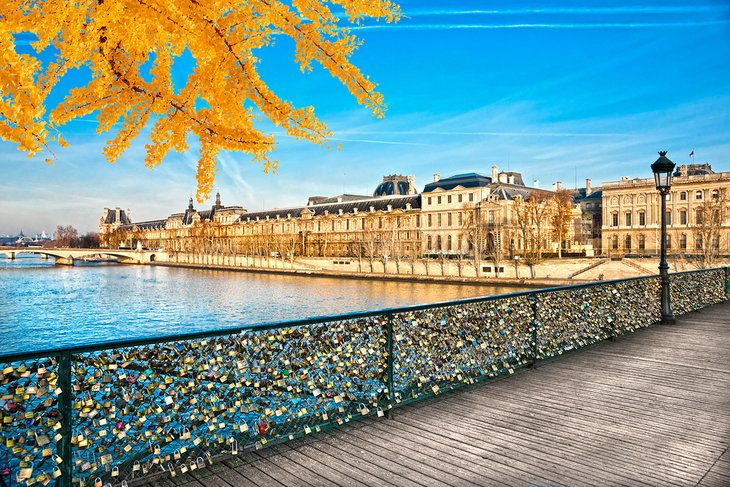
{"x": 115, "y": 39}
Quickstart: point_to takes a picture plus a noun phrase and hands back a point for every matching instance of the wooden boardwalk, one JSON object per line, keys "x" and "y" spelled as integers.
{"x": 650, "y": 409}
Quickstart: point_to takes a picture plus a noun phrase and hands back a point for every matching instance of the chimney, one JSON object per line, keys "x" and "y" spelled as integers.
{"x": 588, "y": 187}
{"x": 554, "y": 187}
{"x": 511, "y": 179}
{"x": 535, "y": 183}
{"x": 129, "y": 215}
{"x": 117, "y": 214}
{"x": 436, "y": 177}
{"x": 559, "y": 185}
{"x": 502, "y": 178}
{"x": 495, "y": 175}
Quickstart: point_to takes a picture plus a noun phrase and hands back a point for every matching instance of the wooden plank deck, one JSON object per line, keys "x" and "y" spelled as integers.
{"x": 650, "y": 409}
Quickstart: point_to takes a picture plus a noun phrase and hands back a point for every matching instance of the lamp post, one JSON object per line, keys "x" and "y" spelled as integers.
{"x": 662, "y": 169}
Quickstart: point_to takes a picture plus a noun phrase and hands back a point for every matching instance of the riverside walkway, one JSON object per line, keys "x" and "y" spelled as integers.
{"x": 649, "y": 409}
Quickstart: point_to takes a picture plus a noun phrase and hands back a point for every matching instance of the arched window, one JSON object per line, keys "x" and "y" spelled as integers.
{"x": 628, "y": 242}
{"x": 715, "y": 194}
{"x": 438, "y": 242}
{"x": 448, "y": 241}
{"x": 642, "y": 242}
{"x": 698, "y": 195}
{"x": 683, "y": 196}
{"x": 683, "y": 241}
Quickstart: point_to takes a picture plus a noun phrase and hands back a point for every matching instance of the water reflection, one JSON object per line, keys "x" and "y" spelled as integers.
{"x": 44, "y": 306}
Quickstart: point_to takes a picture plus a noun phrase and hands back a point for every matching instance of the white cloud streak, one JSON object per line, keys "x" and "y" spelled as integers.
{"x": 601, "y": 25}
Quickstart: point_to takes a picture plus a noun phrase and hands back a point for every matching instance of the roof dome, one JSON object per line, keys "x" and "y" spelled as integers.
{"x": 395, "y": 186}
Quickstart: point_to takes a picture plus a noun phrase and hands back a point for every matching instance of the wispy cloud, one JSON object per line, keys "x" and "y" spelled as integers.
{"x": 628, "y": 9}
{"x": 600, "y": 25}
{"x": 480, "y": 133}
{"x": 373, "y": 141}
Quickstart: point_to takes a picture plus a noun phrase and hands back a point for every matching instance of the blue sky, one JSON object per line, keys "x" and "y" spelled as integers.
{"x": 559, "y": 90}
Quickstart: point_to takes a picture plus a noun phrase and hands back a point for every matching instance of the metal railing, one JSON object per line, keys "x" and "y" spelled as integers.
{"x": 118, "y": 412}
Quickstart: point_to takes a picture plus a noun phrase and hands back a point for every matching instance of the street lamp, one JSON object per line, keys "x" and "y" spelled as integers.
{"x": 662, "y": 170}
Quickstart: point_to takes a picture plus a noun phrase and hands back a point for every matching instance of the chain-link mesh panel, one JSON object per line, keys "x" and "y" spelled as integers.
{"x": 30, "y": 422}
{"x": 691, "y": 291}
{"x": 574, "y": 318}
{"x": 175, "y": 406}
{"x": 435, "y": 349}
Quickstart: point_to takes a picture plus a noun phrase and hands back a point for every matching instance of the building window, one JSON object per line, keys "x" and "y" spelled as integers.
{"x": 683, "y": 196}
{"x": 439, "y": 217}
{"x": 614, "y": 219}
{"x": 683, "y": 241}
{"x": 698, "y": 217}
{"x": 418, "y": 220}
{"x": 642, "y": 218}
{"x": 380, "y": 222}
{"x": 438, "y": 242}
{"x": 715, "y": 194}
{"x": 627, "y": 242}
{"x": 448, "y": 199}
{"x": 716, "y": 242}
{"x": 449, "y": 222}
{"x": 461, "y": 219}
{"x": 683, "y": 217}
{"x": 438, "y": 200}
{"x": 628, "y": 219}
{"x": 669, "y": 217}
{"x": 642, "y": 242}
{"x": 471, "y": 196}
{"x": 669, "y": 242}
{"x": 429, "y": 200}
{"x": 429, "y": 220}
{"x": 491, "y": 217}
{"x": 698, "y": 195}
{"x": 698, "y": 242}
{"x": 429, "y": 243}
{"x": 461, "y": 197}
{"x": 614, "y": 242}
{"x": 448, "y": 243}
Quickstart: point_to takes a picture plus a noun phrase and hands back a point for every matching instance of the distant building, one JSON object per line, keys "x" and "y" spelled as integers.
{"x": 632, "y": 223}
{"x": 588, "y": 228}
{"x": 22, "y": 240}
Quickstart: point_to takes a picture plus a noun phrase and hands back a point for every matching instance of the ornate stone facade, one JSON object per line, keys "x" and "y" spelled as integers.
{"x": 698, "y": 220}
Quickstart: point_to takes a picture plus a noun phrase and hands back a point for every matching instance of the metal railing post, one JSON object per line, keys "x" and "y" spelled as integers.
{"x": 533, "y": 305}
{"x": 389, "y": 363}
{"x": 65, "y": 407}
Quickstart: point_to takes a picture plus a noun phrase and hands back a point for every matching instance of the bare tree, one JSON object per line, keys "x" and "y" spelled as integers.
{"x": 531, "y": 218}
{"x": 66, "y": 236}
{"x": 561, "y": 215}
{"x": 710, "y": 216}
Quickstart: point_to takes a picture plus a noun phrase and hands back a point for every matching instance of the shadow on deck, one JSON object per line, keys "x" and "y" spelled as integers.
{"x": 650, "y": 409}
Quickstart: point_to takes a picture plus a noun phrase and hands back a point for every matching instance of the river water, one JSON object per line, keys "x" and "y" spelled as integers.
{"x": 44, "y": 306}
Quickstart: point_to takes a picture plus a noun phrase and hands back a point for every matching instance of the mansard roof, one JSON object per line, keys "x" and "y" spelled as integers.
{"x": 362, "y": 206}
{"x": 148, "y": 225}
{"x": 111, "y": 217}
{"x": 467, "y": 180}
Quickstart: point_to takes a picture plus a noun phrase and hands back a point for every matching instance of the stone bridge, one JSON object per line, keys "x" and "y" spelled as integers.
{"x": 68, "y": 256}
